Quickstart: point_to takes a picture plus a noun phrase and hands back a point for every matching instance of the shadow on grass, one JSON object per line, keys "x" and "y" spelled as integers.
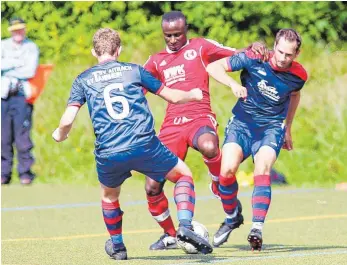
{"x": 278, "y": 248}
{"x": 194, "y": 258}
{"x": 235, "y": 249}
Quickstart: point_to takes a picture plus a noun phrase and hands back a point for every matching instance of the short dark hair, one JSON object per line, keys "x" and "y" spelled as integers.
{"x": 289, "y": 35}
{"x": 173, "y": 16}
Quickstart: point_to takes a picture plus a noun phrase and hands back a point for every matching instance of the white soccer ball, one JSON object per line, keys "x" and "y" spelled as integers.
{"x": 201, "y": 230}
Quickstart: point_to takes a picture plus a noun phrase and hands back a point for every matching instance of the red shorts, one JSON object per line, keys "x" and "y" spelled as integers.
{"x": 178, "y": 134}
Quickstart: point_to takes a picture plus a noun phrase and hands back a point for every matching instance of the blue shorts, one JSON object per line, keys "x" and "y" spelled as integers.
{"x": 154, "y": 160}
{"x": 252, "y": 138}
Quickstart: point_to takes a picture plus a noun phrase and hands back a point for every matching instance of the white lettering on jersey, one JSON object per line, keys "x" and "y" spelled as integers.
{"x": 190, "y": 55}
{"x": 268, "y": 91}
{"x": 262, "y": 72}
{"x": 181, "y": 120}
{"x": 108, "y": 74}
{"x": 174, "y": 74}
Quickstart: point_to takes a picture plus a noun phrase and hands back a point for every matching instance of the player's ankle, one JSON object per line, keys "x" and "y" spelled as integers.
{"x": 258, "y": 225}
{"x": 231, "y": 217}
{"x": 171, "y": 232}
{"x": 186, "y": 223}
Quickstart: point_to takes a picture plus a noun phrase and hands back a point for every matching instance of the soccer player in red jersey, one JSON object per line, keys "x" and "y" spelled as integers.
{"x": 183, "y": 64}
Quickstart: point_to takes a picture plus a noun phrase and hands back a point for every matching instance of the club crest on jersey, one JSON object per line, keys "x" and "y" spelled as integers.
{"x": 190, "y": 55}
{"x": 268, "y": 91}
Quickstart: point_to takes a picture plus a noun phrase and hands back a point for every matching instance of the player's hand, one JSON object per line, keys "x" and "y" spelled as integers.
{"x": 196, "y": 94}
{"x": 58, "y": 136}
{"x": 260, "y": 48}
{"x": 288, "y": 142}
{"x": 239, "y": 91}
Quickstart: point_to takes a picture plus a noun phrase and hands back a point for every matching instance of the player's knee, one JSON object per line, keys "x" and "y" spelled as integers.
{"x": 262, "y": 169}
{"x": 110, "y": 194}
{"x": 209, "y": 149}
{"x": 230, "y": 170}
{"x": 153, "y": 188}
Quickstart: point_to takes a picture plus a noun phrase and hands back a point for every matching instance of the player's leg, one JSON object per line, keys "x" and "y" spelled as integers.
{"x": 204, "y": 138}
{"x": 112, "y": 214}
{"x": 158, "y": 204}
{"x": 184, "y": 196}
{"x": 112, "y": 173}
{"x": 265, "y": 153}
{"x": 162, "y": 164}
{"x": 236, "y": 148}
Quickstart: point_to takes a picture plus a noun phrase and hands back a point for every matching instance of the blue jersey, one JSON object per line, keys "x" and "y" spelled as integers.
{"x": 117, "y": 106}
{"x": 268, "y": 89}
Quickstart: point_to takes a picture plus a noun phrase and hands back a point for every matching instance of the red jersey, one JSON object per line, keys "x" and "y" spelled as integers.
{"x": 185, "y": 70}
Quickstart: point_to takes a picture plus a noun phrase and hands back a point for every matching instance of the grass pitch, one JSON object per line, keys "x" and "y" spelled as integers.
{"x": 62, "y": 224}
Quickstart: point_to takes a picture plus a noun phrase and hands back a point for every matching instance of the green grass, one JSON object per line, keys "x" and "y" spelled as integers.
{"x": 319, "y": 129}
{"x": 301, "y": 228}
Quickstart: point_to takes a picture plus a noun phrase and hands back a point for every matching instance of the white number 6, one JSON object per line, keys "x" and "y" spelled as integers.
{"x": 109, "y": 100}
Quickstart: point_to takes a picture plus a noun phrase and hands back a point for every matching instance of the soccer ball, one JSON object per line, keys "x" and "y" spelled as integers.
{"x": 201, "y": 230}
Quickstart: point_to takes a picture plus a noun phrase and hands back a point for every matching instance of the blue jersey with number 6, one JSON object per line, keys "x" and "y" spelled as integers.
{"x": 117, "y": 106}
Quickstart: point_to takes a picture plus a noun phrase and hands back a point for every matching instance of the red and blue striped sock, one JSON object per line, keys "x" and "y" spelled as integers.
{"x": 185, "y": 200}
{"x": 261, "y": 197}
{"x": 113, "y": 220}
{"x": 228, "y": 189}
{"x": 158, "y": 206}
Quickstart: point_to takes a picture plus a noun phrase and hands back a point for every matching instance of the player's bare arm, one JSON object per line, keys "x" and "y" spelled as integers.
{"x": 218, "y": 70}
{"x": 61, "y": 133}
{"x": 176, "y": 96}
{"x": 257, "y": 48}
{"x": 293, "y": 105}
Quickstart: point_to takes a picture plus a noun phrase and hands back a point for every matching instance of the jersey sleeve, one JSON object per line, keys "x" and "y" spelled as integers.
{"x": 238, "y": 62}
{"x": 151, "y": 66}
{"x": 149, "y": 82}
{"x": 77, "y": 97}
{"x": 213, "y": 51}
{"x": 299, "y": 74}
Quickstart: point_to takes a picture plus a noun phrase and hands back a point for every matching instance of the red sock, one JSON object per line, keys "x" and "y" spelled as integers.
{"x": 214, "y": 165}
{"x": 158, "y": 206}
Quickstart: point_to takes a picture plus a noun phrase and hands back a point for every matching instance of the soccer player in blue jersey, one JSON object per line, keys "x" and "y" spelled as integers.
{"x": 268, "y": 96}
{"x": 125, "y": 136}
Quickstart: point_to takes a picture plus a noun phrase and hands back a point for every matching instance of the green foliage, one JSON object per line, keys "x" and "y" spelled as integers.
{"x": 63, "y": 30}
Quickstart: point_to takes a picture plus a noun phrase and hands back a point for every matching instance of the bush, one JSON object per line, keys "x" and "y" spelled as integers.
{"x": 63, "y": 30}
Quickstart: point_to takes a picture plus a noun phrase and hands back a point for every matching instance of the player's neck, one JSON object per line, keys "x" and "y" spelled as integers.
{"x": 106, "y": 58}
{"x": 170, "y": 51}
{"x": 275, "y": 67}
